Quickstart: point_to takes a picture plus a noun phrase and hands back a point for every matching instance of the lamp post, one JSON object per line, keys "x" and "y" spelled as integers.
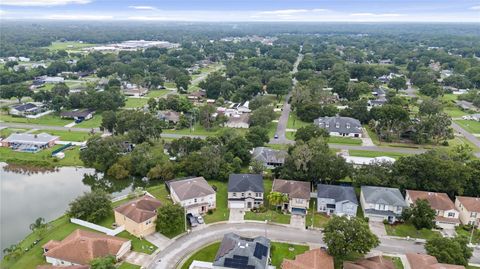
{"x": 473, "y": 229}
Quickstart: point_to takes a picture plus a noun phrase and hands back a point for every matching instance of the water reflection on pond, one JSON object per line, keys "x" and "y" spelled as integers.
{"x": 27, "y": 193}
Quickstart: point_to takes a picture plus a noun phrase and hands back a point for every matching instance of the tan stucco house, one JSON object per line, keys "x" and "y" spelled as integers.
{"x": 138, "y": 216}
{"x": 469, "y": 208}
{"x": 193, "y": 194}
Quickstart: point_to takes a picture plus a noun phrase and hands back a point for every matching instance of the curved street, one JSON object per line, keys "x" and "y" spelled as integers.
{"x": 182, "y": 247}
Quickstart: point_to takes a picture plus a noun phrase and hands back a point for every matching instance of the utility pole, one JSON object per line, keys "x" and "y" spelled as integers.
{"x": 471, "y": 234}
{"x": 313, "y": 212}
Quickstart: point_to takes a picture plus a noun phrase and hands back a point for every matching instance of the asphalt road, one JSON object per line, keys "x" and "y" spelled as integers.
{"x": 179, "y": 249}
{"x": 473, "y": 139}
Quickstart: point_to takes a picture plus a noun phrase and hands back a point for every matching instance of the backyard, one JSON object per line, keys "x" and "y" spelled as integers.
{"x": 42, "y": 158}
{"x": 221, "y": 213}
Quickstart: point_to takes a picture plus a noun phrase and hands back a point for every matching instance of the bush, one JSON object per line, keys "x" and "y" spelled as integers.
{"x": 210, "y": 212}
{"x": 385, "y": 221}
{"x": 91, "y": 206}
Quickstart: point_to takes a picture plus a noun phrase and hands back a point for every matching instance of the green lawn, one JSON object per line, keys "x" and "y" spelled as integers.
{"x": 138, "y": 245}
{"x": 373, "y": 154}
{"x": 450, "y": 97}
{"x": 319, "y": 219}
{"x": 397, "y": 262}
{"x": 67, "y": 135}
{"x": 170, "y": 85}
{"x": 470, "y": 126}
{"x": 344, "y": 140}
{"x": 221, "y": 213}
{"x": 280, "y": 251}
{"x": 42, "y": 158}
{"x": 126, "y": 265}
{"x": 476, "y": 234}
{"x": 295, "y": 123}
{"x": 454, "y": 111}
{"x": 91, "y": 123}
{"x": 65, "y": 45}
{"x": 8, "y": 131}
{"x": 50, "y": 119}
{"x": 135, "y": 102}
{"x": 59, "y": 229}
{"x": 160, "y": 192}
{"x": 197, "y": 130}
{"x": 271, "y": 215}
{"x": 206, "y": 254}
{"x": 407, "y": 229}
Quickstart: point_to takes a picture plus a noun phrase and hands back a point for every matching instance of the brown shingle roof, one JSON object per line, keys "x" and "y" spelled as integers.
{"x": 191, "y": 188}
{"x": 294, "y": 189}
{"x": 313, "y": 259}
{"x": 141, "y": 209}
{"x": 424, "y": 261}
{"x": 437, "y": 200}
{"x": 377, "y": 262}
{"x": 472, "y": 204}
{"x": 81, "y": 247}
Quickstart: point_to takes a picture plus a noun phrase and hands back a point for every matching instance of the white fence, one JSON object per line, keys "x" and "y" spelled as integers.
{"x": 96, "y": 227}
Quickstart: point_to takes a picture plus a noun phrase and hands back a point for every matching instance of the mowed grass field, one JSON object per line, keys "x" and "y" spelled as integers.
{"x": 470, "y": 126}
{"x": 69, "y": 45}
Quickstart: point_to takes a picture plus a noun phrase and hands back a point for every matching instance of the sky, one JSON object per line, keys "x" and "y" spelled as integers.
{"x": 244, "y": 10}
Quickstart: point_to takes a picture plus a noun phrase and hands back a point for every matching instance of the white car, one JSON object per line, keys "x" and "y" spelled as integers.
{"x": 200, "y": 220}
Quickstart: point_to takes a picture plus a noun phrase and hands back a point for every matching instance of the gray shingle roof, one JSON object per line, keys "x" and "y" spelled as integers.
{"x": 34, "y": 139}
{"x": 383, "y": 195}
{"x": 245, "y": 182}
{"x": 267, "y": 155}
{"x": 243, "y": 248}
{"x": 339, "y": 124}
{"x": 338, "y": 193}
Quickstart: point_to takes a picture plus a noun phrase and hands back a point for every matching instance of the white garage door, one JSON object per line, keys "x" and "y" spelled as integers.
{"x": 236, "y": 204}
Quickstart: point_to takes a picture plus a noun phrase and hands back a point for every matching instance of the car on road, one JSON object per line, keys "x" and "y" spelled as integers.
{"x": 276, "y": 136}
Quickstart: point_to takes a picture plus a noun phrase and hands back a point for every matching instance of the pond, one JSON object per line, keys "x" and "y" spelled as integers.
{"x": 29, "y": 193}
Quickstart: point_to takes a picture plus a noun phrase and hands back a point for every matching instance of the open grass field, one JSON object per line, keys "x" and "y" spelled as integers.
{"x": 133, "y": 102}
{"x": 69, "y": 45}
{"x": 373, "y": 154}
{"x": 67, "y": 135}
{"x": 50, "y": 119}
{"x": 454, "y": 111}
{"x": 407, "y": 229}
{"x": 91, "y": 123}
{"x": 156, "y": 93}
{"x": 295, "y": 123}
{"x": 470, "y": 126}
{"x": 8, "y": 131}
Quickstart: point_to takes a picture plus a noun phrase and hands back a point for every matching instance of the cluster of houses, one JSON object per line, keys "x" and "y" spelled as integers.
{"x": 246, "y": 192}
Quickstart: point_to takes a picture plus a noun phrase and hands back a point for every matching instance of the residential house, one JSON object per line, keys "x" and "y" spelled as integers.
{"x": 23, "y": 110}
{"x": 475, "y": 117}
{"x": 53, "y": 80}
{"x": 78, "y": 114}
{"x": 169, "y": 116}
{"x": 466, "y": 105}
{"x": 133, "y": 90}
{"x": 138, "y": 216}
{"x": 375, "y": 262}
{"x": 337, "y": 200}
{"x": 312, "y": 259}
{"x": 194, "y": 194}
{"x": 379, "y": 92}
{"x": 197, "y": 96}
{"x": 241, "y": 252}
{"x": 381, "y": 203}
{"x": 424, "y": 261}
{"x": 469, "y": 210}
{"x": 245, "y": 191}
{"x": 358, "y": 161}
{"x": 377, "y": 102}
{"x": 340, "y": 126}
{"x": 385, "y": 61}
{"x": 270, "y": 158}
{"x": 298, "y": 193}
{"x": 81, "y": 247}
{"x": 238, "y": 121}
{"x": 29, "y": 142}
{"x": 446, "y": 214}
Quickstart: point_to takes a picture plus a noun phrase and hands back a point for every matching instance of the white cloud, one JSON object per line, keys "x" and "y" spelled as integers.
{"x": 42, "y": 2}
{"x": 143, "y": 7}
{"x": 78, "y": 17}
{"x": 475, "y": 8}
{"x": 376, "y": 15}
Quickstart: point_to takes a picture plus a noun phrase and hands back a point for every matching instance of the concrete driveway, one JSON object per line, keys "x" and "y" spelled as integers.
{"x": 377, "y": 228}
{"x": 236, "y": 215}
{"x": 297, "y": 221}
{"x": 137, "y": 258}
{"x": 159, "y": 240}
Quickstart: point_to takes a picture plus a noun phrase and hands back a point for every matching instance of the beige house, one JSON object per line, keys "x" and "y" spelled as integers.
{"x": 469, "y": 208}
{"x": 138, "y": 216}
{"x": 447, "y": 214}
{"x": 81, "y": 247}
{"x": 245, "y": 191}
{"x": 193, "y": 194}
{"x": 298, "y": 193}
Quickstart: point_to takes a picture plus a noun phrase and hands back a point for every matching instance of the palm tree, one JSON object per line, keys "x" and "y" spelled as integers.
{"x": 277, "y": 198}
{"x": 38, "y": 224}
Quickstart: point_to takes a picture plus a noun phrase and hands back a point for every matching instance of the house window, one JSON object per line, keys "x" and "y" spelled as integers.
{"x": 257, "y": 194}
{"x": 451, "y": 215}
{"x": 348, "y": 125}
{"x": 249, "y": 194}
{"x": 243, "y": 194}
{"x": 337, "y": 125}
{"x": 473, "y": 214}
{"x": 195, "y": 200}
{"x": 327, "y": 125}
{"x": 234, "y": 194}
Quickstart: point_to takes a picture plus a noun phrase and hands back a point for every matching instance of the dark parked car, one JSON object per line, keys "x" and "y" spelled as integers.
{"x": 191, "y": 220}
